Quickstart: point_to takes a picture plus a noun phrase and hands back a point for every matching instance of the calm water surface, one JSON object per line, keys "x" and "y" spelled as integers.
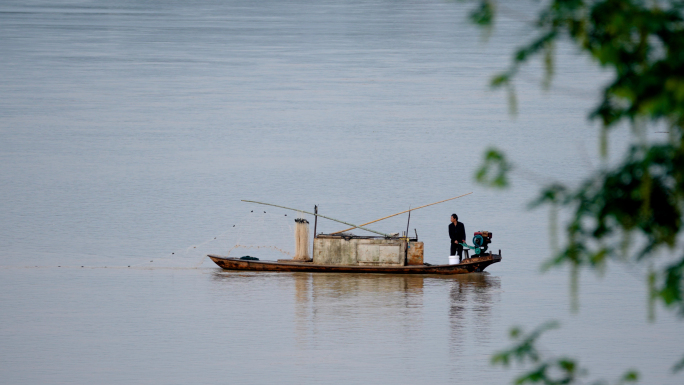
{"x": 131, "y": 130}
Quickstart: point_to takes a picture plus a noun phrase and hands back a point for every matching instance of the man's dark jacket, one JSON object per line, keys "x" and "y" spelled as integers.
{"x": 457, "y": 233}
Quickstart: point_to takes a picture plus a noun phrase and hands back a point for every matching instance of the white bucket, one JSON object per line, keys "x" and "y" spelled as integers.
{"x": 453, "y": 259}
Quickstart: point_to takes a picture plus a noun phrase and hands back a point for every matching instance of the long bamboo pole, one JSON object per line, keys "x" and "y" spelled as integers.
{"x": 322, "y": 216}
{"x": 394, "y": 215}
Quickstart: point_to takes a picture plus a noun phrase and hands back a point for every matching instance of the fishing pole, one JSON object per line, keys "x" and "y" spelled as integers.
{"x": 394, "y": 215}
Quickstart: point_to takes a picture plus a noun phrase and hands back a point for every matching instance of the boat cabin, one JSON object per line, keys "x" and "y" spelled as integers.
{"x": 354, "y": 250}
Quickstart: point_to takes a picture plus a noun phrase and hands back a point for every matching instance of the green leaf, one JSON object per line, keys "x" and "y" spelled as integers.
{"x": 630, "y": 376}
{"x": 484, "y": 14}
{"x": 494, "y": 170}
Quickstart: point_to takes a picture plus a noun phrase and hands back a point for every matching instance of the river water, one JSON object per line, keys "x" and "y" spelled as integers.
{"x": 131, "y": 130}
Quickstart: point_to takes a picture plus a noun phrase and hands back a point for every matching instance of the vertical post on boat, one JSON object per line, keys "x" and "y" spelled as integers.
{"x": 408, "y": 222}
{"x": 406, "y": 238}
{"x": 301, "y": 239}
{"x": 313, "y": 247}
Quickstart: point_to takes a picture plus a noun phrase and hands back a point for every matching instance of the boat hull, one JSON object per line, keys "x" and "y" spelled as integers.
{"x": 469, "y": 265}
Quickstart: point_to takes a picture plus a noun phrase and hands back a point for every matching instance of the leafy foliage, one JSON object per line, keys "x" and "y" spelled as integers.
{"x": 548, "y": 371}
{"x": 643, "y": 43}
{"x": 642, "y": 197}
{"x": 494, "y": 171}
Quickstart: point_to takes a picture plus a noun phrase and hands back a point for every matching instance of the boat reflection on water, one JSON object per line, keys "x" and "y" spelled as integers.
{"x": 399, "y": 305}
{"x": 472, "y": 297}
{"x": 357, "y": 302}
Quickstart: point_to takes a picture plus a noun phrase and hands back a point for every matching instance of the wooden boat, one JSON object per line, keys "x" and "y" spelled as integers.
{"x": 343, "y": 252}
{"x": 468, "y": 265}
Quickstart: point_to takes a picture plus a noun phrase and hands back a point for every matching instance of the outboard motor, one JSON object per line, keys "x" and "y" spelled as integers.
{"x": 481, "y": 240}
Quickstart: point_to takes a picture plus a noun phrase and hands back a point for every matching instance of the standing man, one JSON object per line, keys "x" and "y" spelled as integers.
{"x": 457, "y": 235}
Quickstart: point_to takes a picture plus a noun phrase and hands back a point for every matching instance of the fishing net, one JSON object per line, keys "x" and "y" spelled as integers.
{"x": 264, "y": 236}
{"x": 259, "y": 234}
